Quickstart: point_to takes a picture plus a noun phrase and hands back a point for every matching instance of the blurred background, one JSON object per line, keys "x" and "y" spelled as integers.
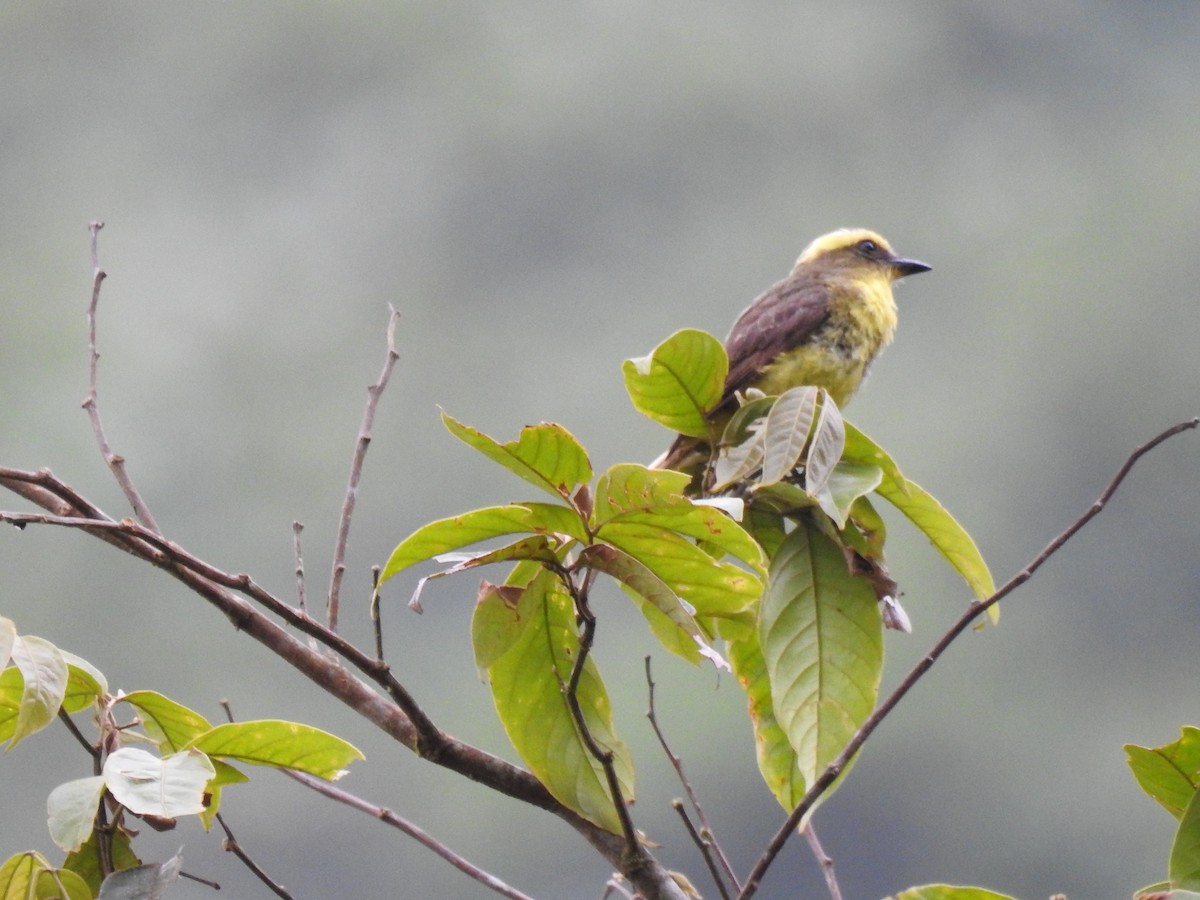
{"x": 545, "y": 189}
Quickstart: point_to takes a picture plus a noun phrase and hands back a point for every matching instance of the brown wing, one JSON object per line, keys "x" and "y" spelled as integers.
{"x": 782, "y": 318}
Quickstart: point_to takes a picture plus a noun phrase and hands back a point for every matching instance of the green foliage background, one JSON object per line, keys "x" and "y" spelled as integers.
{"x": 542, "y": 192}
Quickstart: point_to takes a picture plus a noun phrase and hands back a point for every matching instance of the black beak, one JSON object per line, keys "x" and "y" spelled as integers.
{"x": 904, "y": 267}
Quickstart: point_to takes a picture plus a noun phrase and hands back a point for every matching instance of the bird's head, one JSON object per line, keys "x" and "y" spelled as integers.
{"x": 857, "y": 253}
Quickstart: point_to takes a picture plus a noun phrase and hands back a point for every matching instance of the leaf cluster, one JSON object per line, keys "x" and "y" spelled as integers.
{"x": 167, "y": 762}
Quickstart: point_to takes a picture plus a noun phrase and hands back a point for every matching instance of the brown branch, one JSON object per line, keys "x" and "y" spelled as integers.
{"x": 43, "y": 489}
{"x": 231, "y": 844}
{"x": 973, "y": 611}
{"x": 374, "y": 392}
{"x": 824, "y": 860}
{"x": 419, "y": 835}
{"x": 704, "y": 846}
{"x": 706, "y": 833}
{"x": 115, "y": 461}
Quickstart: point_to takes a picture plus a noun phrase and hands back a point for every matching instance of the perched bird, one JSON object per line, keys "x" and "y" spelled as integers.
{"x": 822, "y": 325}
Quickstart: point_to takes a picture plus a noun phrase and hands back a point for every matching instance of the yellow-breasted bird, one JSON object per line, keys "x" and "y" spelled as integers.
{"x": 822, "y": 325}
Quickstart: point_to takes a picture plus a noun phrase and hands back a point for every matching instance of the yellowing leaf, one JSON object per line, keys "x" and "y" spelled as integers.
{"x": 284, "y": 745}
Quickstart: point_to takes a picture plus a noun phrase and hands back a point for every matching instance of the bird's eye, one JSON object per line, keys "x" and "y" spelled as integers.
{"x": 868, "y": 247}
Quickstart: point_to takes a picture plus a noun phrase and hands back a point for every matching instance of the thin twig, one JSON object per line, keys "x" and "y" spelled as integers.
{"x": 973, "y": 611}
{"x": 231, "y": 844}
{"x": 115, "y": 461}
{"x": 298, "y": 546}
{"x": 706, "y": 834}
{"x": 376, "y": 615}
{"x": 704, "y": 846}
{"x": 419, "y": 835}
{"x": 374, "y": 392}
{"x": 824, "y": 860}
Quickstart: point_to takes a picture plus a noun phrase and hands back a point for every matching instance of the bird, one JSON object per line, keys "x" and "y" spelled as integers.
{"x": 822, "y": 325}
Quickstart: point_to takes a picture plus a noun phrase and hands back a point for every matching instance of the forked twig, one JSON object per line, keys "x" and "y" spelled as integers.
{"x": 706, "y": 837}
{"x": 115, "y": 461}
{"x": 974, "y": 609}
{"x": 374, "y": 392}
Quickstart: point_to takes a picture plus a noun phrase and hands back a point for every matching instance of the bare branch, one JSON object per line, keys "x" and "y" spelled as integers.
{"x": 824, "y": 861}
{"x": 705, "y": 848}
{"x": 973, "y": 611}
{"x": 114, "y": 461}
{"x": 419, "y": 835}
{"x": 231, "y": 844}
{"x": 374, "y": 392}
{"x": 706, "y": 834}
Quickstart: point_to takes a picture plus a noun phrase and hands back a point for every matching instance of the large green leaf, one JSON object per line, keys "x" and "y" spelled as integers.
{"x": 777, "y": 761}
{"x": 632, "y": 494}
{"x": 946, "y": 535}
{"x": 681, "y": 380}
{"x": 654, "y": 591}
{"x": 545, "y": 455}
{"x": 284, "y": 745}
{"x": 480, "y": 525}
{"x": 527, "y": 686}
{"x": 861, "y": 449}
{"x": 822, "y": 643}
{"x": 712, "y": 587}
{"x": 1170, "y": 773}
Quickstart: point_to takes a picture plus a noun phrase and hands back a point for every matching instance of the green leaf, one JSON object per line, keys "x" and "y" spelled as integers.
{"x": 632, "y": 494}
{"x": 19, "y": 873}
{"x": 1171, "y": 773}
{"x": 861, "y": 449}
{"x": 949, "y": 892}
{"x": 85, "y": 862}
{"x": 786, "y": 432}
{"x": 652, "y": 589}
{"x": 44, "y": 672}
{"x": 226, "y": 775}
{"x": 61, "y": 884}
{"x": 848, "y": 483}
{"x": 171, "y": 786}
{"x": 480, "y": 525}
{"x": 946, "y": 535}
{"x": 681, "y": 380}
{"x": 172, "y": 726}
{"x": 711, "y": 587}
{"x": 822, "y": 642}
{"x": 545, "y": 455}
{"x": 283, "y": 745}
{"x": 71, "y": 808}
{"x": 1184, "y": 866}
{"x": 777, "y": 761}
{"x": 85, "y": 683}
{"x": 527, "y": 686}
